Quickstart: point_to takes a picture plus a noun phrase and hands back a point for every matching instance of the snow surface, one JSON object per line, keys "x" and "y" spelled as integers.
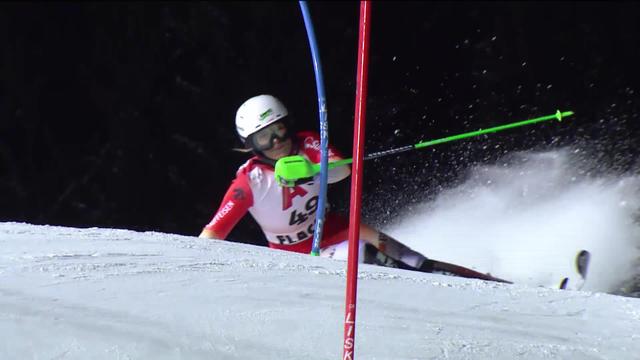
{"x": 69, "y": 293}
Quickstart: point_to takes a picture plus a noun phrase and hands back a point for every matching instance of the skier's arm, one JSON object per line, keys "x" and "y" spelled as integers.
{"x": 312, "y": 150}
{"x": 234, "y": 206}
{"x": 339, "y": 173}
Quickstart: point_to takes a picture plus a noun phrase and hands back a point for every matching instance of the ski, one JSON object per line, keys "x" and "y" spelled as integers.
{"x": 374, "y": 256}
{"x": 563, "y": 283}
{"x": 444, "y": 268}
{"x": 582, "y": 263}
{"x": 582, "y": 260}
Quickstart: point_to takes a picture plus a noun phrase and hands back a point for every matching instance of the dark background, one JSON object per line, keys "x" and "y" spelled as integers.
{"x": 122, "y": 114}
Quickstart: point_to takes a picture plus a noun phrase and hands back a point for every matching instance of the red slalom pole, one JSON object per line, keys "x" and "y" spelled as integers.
{"x": 356, "y": 181}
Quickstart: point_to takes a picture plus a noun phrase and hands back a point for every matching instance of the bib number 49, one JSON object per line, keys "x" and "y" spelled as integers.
{"x": 299, "y": 218}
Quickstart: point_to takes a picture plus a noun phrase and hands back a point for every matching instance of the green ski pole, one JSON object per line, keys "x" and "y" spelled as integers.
{"x": 290, "y": 170}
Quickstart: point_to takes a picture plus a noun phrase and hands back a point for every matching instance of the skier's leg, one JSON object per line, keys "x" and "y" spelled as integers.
{"x": 368, "y": 254}
{"x": 407, "y": 259}
{"x": 386, "y": 250}
{"x": 387, "y": 246}
{"x": 374, "y": 256}
{"x": 340, "y": 251}
{"x": 378, "y": 248}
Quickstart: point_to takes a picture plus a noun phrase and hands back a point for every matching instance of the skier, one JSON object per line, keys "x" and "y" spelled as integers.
{"x": 286, "y": 215}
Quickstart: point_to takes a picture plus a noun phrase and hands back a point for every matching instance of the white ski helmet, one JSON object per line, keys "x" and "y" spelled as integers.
{"x": 258, "y": 112}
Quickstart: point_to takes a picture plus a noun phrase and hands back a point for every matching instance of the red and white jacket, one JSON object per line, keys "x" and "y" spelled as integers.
{"x": 285, "y": 214}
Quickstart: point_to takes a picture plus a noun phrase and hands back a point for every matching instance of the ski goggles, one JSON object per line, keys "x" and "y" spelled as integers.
{"x": 263, "y": 139}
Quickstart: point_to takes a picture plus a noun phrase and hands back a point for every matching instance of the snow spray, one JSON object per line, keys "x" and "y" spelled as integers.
{"x": 525, "y": 217}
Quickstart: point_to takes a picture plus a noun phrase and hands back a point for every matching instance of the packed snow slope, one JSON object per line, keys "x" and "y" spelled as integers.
{"x": 69, "y": 293}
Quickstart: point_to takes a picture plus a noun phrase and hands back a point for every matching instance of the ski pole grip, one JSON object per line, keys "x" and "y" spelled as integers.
{"x": 290, "y": 169}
